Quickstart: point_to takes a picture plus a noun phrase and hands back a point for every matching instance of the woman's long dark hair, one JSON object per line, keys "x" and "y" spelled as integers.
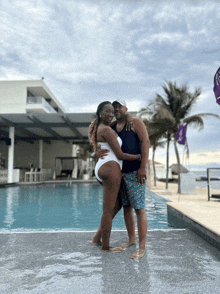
{"x": 95, "y": 123}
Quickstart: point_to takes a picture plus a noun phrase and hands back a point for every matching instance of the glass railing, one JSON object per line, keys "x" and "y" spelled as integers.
{"x": 41, "y": 100}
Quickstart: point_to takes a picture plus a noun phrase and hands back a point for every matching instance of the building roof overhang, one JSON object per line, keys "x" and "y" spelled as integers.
{"x": 69, "y": 127}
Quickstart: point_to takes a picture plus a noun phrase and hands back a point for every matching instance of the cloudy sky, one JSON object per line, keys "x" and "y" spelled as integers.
{"x": 91, "y": 51}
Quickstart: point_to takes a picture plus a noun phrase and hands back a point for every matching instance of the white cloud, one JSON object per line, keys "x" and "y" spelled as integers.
{"x": 161, "y": 38}
{"x": 194, "y": 157}
{"x": 90, "y": 51}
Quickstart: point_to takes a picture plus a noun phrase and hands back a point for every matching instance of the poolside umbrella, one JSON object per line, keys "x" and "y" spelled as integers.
{"x": 174, "y": 169}
{"x": 216, "y": 88}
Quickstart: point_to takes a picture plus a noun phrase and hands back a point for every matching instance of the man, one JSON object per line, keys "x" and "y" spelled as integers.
{"x": 134, "y": 175}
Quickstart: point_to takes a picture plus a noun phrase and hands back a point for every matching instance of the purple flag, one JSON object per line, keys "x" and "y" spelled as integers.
{"x": 181, "y": 134}
{"x": 216, "y": 88}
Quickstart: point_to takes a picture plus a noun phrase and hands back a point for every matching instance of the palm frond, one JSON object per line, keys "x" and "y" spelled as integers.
{"x": 163, "y": 115}
{"x": 145, "y": 113}
{"x": 209, "y": 114}
{"x": 197, "y": 121}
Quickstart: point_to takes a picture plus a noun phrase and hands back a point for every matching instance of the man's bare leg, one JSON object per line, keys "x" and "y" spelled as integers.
{"x": 142, "y": 233}
{"x": 130, "y": 225}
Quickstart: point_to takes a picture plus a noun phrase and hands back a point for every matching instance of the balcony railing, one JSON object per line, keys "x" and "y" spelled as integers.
{"x": 41, "y": 100}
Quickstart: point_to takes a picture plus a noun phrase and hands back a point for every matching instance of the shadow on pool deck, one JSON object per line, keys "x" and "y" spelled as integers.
{"x": 177, "y": 261}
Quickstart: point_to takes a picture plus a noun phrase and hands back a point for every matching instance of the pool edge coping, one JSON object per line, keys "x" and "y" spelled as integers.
{"x": 177, "y": 217}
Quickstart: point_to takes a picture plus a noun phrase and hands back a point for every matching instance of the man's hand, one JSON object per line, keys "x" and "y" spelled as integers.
{"x": 141, "y": 176}
{"x": 101, "y": 153}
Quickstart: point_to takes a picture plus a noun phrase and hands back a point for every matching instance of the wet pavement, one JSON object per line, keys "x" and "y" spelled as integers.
{"x": 177, "y": 261}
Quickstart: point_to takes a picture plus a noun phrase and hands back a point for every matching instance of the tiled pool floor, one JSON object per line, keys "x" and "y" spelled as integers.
{"x": 177, "y": 261}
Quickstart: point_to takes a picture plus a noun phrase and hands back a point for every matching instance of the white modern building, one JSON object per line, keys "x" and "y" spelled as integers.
{"x": 32, "y": 96}
{"x": 35, "y": 130}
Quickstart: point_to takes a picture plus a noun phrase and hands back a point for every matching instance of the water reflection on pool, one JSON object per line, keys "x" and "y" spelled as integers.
{"x": 67, "y": 207}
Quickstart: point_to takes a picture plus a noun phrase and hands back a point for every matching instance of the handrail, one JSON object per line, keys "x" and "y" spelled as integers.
{"x": 208, "y": 180}
{"x": 40, "y": 100}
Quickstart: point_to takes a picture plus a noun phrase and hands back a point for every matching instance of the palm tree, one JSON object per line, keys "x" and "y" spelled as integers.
{"x": 155, "y": 142}
{"x": 160, "y": 124}
{"x": 173, "y": 110}
{"x": 85, "y": 151}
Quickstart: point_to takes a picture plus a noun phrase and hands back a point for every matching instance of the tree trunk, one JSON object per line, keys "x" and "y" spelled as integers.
{"x": 178, "y": 162}
{"x": 167, "y": 171}
{"x": 155, "y": 180}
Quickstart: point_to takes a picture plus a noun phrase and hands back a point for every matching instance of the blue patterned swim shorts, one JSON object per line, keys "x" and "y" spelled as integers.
{"x": 132, "y": 193}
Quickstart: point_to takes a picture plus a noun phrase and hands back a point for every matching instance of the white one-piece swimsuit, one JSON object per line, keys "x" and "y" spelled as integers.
{"x": 110, "y": 157}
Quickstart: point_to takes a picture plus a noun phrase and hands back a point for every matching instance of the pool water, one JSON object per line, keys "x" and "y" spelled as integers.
{"x": 67, "y": 207}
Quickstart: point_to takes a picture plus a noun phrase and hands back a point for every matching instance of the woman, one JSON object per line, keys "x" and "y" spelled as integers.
{"x": 108, "y": 170}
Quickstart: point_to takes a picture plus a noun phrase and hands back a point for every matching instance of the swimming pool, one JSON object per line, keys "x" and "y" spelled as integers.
{"x": 76, "y": 206}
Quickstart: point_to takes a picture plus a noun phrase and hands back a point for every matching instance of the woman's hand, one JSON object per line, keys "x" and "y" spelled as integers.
{"x": 129, "y": 124}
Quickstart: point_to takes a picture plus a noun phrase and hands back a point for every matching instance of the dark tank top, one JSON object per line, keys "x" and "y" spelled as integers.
{"x": 132, "y": 145}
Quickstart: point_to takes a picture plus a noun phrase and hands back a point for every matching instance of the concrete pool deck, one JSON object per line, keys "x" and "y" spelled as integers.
{"x": 194, "y": 210}
{"x": 177, "y": 261}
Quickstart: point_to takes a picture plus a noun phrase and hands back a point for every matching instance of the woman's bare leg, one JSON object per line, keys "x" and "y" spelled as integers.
{"x": 97, "y": 238}
{"x": 130, "y": 225}
{"x": 111, "y": 175}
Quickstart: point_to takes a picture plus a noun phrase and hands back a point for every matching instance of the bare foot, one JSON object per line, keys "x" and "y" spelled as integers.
{"x": 139, "y": 253}
{"x": 126, "y": 245}
{"x": 96, "y": 242}
{"x": 112, "y": 249}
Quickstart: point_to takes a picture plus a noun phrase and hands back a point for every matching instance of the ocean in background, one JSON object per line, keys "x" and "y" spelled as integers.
{"x": 203, "y": 173}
